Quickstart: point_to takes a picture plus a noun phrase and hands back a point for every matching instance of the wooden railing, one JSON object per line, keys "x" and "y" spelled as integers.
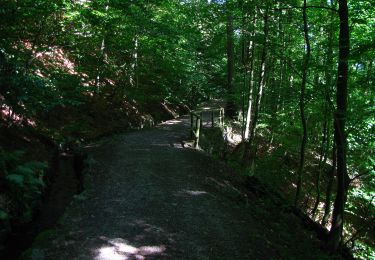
{"x": 197, "y": 120}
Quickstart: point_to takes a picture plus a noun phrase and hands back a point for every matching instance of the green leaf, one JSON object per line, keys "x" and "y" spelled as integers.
{"x": 13, "y": 157}
{"x": 3, "y": 215}
{"x": 36, "y": 182}
{"x": 16, "y": 179}
{"x": 23, "y": 170}
{"x": 35, "y": 165}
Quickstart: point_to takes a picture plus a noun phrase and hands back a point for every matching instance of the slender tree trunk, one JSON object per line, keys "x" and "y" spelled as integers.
{"x": 102, "y": 57}
{"x": 250, "y": 102}
{"x": 302, "y": 104}
{"x": 258, "y": 98}
{"x": 340, "y": 135}
{"x": 327, "y": 121}
{"x": 134, "y": 65}
{"x": 261, "y": 79}
{"x": 243, "y": 125}
{"x": 282, "y": 74}
{"x": 230, "y": 109}
{"x": 250, "y": 151}
{"x": 322, "y": 158}
{"x": 331, "y": 177}
{"x": 251, "y": 83}
{"x": 370, "y": 73}
{"x": 245, "y": 63}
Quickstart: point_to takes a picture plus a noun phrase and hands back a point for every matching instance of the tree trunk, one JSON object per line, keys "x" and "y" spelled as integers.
{"x": 335, "y": 238}
{"x": 245, "y": 63}
{"x": 230, "y": 108}
{"x": 250, "y": 151}
{"x": 331, "y": 177}
{"x": 322, "y": 158}
{"x": 328, "y": 118}
{"x": 134, "y": 66}
{"x": 251, "y": 84}
{"x": 261, "y": 79}
{"x": 102, "y": 57}
{"x": 370, "y": 74}
{"x": 302, "y": 104}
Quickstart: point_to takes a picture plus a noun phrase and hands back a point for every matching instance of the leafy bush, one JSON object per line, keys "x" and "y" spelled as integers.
{"x": 23, "y": 182}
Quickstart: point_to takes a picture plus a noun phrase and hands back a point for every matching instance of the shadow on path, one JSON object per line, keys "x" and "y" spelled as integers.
{"x": 147, "y": 197}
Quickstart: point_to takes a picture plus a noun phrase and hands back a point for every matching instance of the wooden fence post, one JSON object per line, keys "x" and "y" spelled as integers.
{"x": 201, "y": 121}
{"x": 197, "y": 133}
{"x": 196, "y": 121}
{"x": 191, "y": 124}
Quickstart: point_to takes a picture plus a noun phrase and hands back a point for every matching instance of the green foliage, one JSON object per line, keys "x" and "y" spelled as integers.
{"x": 24, "y": 182}
{"x": 70, "y": 67}
{"x": 363, "y": 251}
{"x": 3, "y": 215}
{"x": 361, "y": 211}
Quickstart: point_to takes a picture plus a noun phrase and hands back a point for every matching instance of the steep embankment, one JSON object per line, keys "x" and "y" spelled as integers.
{"x": 147, "y": 196}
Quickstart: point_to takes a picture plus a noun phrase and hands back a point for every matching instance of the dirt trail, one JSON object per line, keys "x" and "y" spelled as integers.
{"x": 147, "y": 197}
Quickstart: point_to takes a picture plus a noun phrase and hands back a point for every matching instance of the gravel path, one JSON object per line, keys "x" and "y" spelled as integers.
{"x": 147, "y": 197}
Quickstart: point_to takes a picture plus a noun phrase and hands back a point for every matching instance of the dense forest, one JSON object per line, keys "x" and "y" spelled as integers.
{"x": 297, "y": 77}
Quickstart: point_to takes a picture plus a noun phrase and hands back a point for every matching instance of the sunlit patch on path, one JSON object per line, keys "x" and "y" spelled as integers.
{"x": 119, "y": 248}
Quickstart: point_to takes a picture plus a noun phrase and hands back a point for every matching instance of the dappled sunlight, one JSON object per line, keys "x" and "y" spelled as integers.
{"x": 119, "y": 248}
{"x": 186, "y": 129}
{"x": 316, "y": 156}
{"x": 205, "y": 108}
{"x": 172, "y": 122}
{"x": 217, "y": 183}
{"x": 109, "y": 253}
{"x": 52, "y": 57}
{"x": 233, "y": 136}
{"x": 177, "y": 146}
{"x": 92, "y": 146}
{"x": 6, "y": 112}
{"x": 195, "y": 192}
{"x": 56, "y": 57}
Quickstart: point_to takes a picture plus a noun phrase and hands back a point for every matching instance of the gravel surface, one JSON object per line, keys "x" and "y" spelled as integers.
{"x": 148, "y": 197}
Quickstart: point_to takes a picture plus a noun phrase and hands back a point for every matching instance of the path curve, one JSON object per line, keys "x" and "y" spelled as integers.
{"x": 148, "y": 197}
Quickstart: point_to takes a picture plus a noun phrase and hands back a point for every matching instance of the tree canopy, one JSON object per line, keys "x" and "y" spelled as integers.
{"x": 74, "y": 70}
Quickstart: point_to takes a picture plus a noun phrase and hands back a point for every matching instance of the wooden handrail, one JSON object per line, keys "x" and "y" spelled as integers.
{"x": 196, "y": 116}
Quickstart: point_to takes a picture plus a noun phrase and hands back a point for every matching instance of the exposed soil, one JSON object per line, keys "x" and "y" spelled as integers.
{"x": 148, "y": 197}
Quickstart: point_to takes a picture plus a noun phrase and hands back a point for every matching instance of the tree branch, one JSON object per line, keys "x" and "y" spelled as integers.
{"x": 362, "y": 174}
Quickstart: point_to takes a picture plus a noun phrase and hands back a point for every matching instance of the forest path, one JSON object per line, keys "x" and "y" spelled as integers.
{"x": 147, "y": 197}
